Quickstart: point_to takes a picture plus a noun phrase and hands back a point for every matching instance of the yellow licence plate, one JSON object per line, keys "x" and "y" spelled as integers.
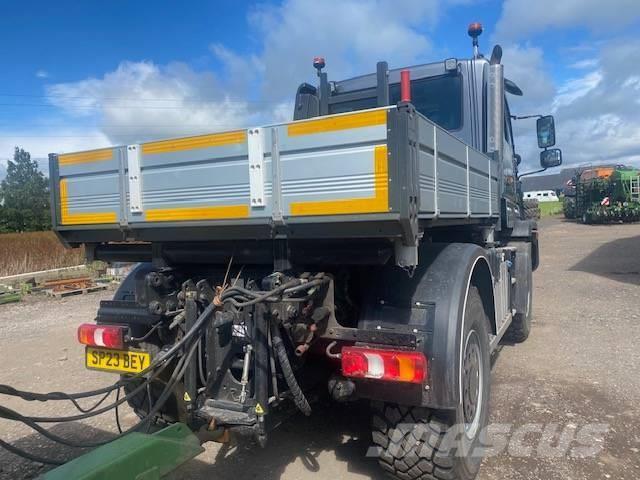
{"x": 123, "y": 361}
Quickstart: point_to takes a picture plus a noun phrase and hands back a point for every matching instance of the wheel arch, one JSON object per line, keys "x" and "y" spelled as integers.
{"x": 442, "y": 281}
{"x": 482, "y": 278}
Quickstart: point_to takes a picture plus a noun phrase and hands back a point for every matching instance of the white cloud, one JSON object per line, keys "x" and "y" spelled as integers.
{"x": 575, "y": 88}
{"x": 352, "y": 35}
{"x": 522, "y": 18}
{"x": 596, "y": 112}
{"x": 585, "y": 63}
{"x": 42, "y": 74}
{"x": 525, "y": 66}
{"x": 142, "y": 100}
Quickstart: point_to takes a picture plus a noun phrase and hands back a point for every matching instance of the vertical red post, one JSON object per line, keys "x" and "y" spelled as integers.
{"x": 405, "y": 86}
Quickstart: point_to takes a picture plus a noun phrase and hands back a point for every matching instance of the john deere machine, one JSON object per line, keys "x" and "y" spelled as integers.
{"x": 373, "y": 248}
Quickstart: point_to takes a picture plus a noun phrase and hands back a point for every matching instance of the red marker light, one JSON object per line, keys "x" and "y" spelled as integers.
{"x": 318, "y": 63}
{"x": 405, "y": 86}
{"x": 110, "y": 336}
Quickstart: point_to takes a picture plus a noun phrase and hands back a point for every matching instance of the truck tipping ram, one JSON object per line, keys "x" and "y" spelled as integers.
{"x": 373, "y": 248}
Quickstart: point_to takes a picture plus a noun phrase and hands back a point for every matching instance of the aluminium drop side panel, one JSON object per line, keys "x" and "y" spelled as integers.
{"x": 452, "y": 175}
{"x": 455, "y": 180}
{"x": 88, "y": 189}
{"x": 361, "y": 174}
{"x": 333, "y": 169}
{"x": 427, "y": 168}
{"x": 199, "y": 178}
{"x": 495, "y": 187}
{"x": 479, "y": 197}
{"x": 54, "y": 191}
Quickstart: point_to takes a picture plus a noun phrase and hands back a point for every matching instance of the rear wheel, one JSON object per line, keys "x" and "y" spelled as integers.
{"x": 421, "y": 443}
{"x": 531, "y": 208}
{"x": 173, "y": 409}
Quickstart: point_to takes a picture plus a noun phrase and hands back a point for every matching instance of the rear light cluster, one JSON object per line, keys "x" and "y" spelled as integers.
{"x": 111, "y": 336}
{"x": 390, "y": 365}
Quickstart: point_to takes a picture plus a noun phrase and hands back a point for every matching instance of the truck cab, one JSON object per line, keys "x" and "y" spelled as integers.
{"x": 452, "y": 93}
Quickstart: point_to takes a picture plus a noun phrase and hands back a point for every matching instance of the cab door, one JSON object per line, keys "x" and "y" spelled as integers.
{"x": 510, "y": 210}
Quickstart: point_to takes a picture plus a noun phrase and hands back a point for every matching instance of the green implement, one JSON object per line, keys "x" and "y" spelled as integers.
{"x": 136, "y": 456}
{"x": 9, "y": 297}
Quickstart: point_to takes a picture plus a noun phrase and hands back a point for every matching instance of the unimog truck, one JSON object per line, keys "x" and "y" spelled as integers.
{"x": 372, "y": 249}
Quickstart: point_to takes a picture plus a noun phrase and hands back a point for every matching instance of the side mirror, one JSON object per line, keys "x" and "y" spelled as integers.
{"x": 546, "y": 129}
{"x": 517, "y": 158}
{"x": 551, "y": 158}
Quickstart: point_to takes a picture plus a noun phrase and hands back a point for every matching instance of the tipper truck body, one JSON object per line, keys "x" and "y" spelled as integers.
{"x": 371, "y": 249}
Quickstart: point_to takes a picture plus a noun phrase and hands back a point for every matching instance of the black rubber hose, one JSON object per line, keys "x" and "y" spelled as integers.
{"x": 82, "y": 416}
{"x": 131, "y": 394}
{"x": 265, "y": 296}
{"x": 177, "y": 374}
{"x": 298, "y": 395}
{"x": 29, "y": 456}
{"x": 43, "y": 397}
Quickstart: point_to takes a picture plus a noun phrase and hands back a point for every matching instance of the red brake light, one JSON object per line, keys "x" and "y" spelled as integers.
{"x": 390, "y": 365}
{"x": 111, "y": 336}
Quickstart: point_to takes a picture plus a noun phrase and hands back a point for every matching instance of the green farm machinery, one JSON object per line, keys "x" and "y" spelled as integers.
{"x": 604, "y": 195}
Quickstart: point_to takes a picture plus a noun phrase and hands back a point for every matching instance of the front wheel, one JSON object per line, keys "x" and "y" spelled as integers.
{"x": 421, "y": 443}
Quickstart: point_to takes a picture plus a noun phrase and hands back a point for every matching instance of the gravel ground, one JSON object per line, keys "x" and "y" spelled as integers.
{"x": 578, "y": 370}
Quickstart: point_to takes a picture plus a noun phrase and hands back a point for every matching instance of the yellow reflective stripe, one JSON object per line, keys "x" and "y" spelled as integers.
{"x": 341, "y": 122}
{"x": 86, "y": 218}
{"x": 191, "y": 143}
{"x": 197, "y": 213}
{"x": 85, "y": 157}
{"x": 376, "y": 204}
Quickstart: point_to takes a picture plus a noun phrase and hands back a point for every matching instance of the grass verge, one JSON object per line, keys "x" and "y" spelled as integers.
{"x": 548, "y": 209}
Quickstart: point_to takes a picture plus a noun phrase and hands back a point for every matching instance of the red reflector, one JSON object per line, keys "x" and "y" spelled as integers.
{"x": 390, "y": 365}
{"x": 110, "y": 336}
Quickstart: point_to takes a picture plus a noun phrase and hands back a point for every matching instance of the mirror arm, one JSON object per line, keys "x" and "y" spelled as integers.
{"x": 531, "y": 173}
{"x": 524, "y": 117}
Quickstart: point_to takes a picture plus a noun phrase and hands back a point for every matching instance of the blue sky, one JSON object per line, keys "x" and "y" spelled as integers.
{"x": 79, "y": 75}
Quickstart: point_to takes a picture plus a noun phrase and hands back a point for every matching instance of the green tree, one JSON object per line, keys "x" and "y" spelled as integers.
{"x": 24, "y": 196}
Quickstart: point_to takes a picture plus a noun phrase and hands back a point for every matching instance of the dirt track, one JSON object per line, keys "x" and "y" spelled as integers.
{"x": 580, "y": 366}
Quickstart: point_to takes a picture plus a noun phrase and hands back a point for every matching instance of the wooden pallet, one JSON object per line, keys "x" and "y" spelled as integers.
{"x": 77, "y": 291}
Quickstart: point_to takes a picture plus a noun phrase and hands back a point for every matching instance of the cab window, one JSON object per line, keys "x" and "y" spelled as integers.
{"x": 437, "y": 98}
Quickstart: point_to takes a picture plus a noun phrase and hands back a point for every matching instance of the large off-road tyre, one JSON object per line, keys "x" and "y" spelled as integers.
{"x": 173, "y": 409}
{"x": 569, "y": 207}
{"x": 520, "y": 326}
{"x": 531, "y": 208}
{"x": 420, "y": 443}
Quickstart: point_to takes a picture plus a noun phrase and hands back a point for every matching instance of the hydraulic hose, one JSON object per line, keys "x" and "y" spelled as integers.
{"x": 43, "y": 397}
{"x": 29, "y": 456}
{"x": 175, "y": 377}
{"x": 298, "y": 395}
